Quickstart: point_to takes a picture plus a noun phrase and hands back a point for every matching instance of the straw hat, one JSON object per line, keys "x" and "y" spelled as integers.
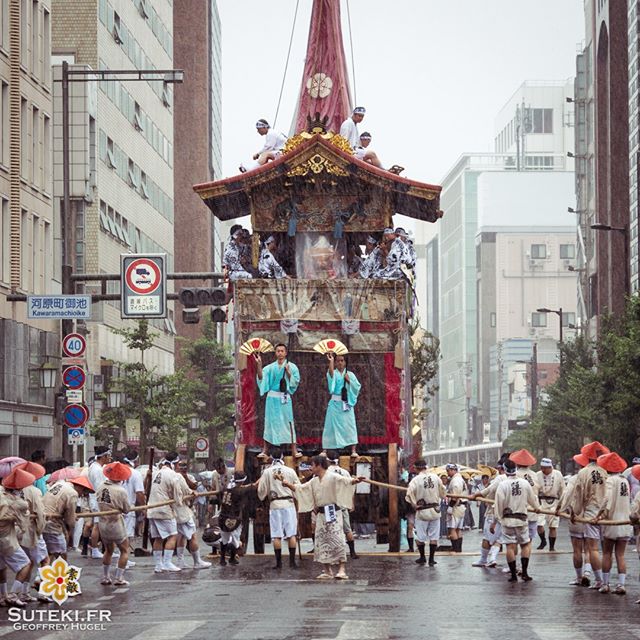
{"x": 522, "y": 458}
{"x": 594, "y": 449}
{"x": 117, "y": 472}
{"x": 83, "y": 481}
{"x": 581, "y": 459}
{"x": 612, "y": 463}
{"x": 18, "y": 479}
{"x": 34, "y": 468}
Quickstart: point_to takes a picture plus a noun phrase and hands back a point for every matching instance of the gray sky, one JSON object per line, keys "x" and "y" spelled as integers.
{"x": 432, "y": 74}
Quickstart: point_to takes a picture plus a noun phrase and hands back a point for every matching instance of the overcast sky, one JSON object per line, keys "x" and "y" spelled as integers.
{"x": 432, "y": 74}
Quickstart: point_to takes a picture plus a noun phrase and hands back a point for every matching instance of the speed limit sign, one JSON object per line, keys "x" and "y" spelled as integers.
{"x": 74, "y": 345}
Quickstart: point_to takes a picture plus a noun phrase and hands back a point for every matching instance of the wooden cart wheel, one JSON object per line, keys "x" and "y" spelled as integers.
{"x": 394, "y": 522}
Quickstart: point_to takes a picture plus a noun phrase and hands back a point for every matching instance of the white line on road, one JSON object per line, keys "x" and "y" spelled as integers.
{"x": 558, "y": 632}
{"x": 171, "y": 630}
{"x": 103, "y": 598}
{"x": 363, "y": 630}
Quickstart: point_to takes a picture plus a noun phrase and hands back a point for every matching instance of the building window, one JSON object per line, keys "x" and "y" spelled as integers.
{"x": 492, "y": 319}
{"x": 46, "y": 46}
{"x": 134, "y": 172}
{"x": 137, "y": 120}
{"x": 568, "y": 319}
{"x": 47, "y": 271}
{"x": 117, "y": 28}
{"x": 46, "y": 154}
{"x": 25, "y": 250}
{"x": 5, "y": 231}
{"x": 4, "y": 25}
{"x": 24, "y": 33}
{"x": 35, "y": 38}
{"x": 542, "y": 121}
{"x": 568, "y": 251}
{"x": 36, "y": 268}
{"x": 111, "y": 161}
{"x": 143, "y": 185}
{"x": 24, "y": 138}
{"x": 35, "y": 147}
{"x": 538, "y": 251}
{"x": 538, "y": 319}
{"x": 4, "y": 123}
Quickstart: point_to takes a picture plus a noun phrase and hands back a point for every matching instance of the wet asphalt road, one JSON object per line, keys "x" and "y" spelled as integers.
{"x": 386, "y": 597}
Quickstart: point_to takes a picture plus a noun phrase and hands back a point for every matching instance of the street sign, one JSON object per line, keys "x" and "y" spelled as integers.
{"x": 76, "y": 435}
{"x": 75, "y": 415}
{"x": 74, "y": 345}
{"x": 74, "y": 377}
{"x": 143, "y": 291}
{"x": 201, "y": 446}
{"x": 59, "y": 307}
{"x": 74, "y": 396}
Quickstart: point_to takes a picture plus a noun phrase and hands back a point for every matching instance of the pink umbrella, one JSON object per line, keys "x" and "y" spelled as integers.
{"x": 7, "y": 464}
{"x": 68, "y": 473}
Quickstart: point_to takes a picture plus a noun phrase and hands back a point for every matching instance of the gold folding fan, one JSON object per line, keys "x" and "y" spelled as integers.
{"x": 256, "y": 344}
{"x": 330, "y": 345}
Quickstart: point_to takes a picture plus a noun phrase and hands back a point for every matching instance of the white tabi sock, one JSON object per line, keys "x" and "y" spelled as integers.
{"x": 605, "y": 578}
{"x": 622, "y": 577}
{"x": 17, "y": 587}
{"x": 167, "y": 555}
{"x": 106, "y": 568}
{"x": 196, "y": 557}
{"x": 578, "y": 572}
{"x": 483, "y": 554}
{"x": 25, "y": 587}
{"x": 493, "y": 553}
{"x": 119, "y": 573}
{"x": 598, "y": 574}
{"x": 3, "y": 588}
{"x": 157, "y": 555}
{"x": 180, "y": 553}
{"x": 588, "y": 568}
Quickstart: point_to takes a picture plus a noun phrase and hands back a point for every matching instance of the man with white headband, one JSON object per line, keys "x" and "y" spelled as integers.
{"x": 551, "y": 487}
{"x": 365, "y": 154}
{"x": 272, "y": 148}
{"x": 236, "y": 256}
{"x": 372, "y": 263}
{"x": 163, "y": 528}
{"x": 233, "y": 500}
{"x": 283, "y": 520}
{"x": 268, "y": 266}
{"x": 513, "y": 497}
{"x": 349, "y": 128}
{"x": 97, "y": 477}
{"x": 424, "y": 494}
{"x": 457, "y": 507}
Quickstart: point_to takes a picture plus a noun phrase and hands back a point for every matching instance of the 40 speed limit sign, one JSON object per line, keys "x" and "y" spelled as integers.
{"x": 143, "y": 289}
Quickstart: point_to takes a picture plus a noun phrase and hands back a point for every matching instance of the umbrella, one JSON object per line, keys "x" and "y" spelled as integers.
{"x": 7, "y": 464}
{"x": 64, "y": 474}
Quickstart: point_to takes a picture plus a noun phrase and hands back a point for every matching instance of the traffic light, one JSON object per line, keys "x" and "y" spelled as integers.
{"x": 192, "y": 298}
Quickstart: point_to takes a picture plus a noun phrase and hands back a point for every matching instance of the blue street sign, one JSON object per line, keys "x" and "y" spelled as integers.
{"x": 76, "y": 435}
{"x": 75, "y": 415}
{"x": 59, "y": 307}
{"x": 74, "y": 377}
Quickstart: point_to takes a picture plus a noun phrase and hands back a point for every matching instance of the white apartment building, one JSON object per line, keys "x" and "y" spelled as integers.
{"x": 27, "y": 226}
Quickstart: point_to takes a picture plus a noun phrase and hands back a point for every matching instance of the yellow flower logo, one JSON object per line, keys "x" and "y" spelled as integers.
{"x": 60, "y": 580}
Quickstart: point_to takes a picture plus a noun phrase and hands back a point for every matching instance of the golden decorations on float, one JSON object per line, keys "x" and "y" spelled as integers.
{"x": 317, "y": 164}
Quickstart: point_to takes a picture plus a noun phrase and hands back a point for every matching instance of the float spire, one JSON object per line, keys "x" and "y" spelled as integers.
{"x": 325, "y": 81}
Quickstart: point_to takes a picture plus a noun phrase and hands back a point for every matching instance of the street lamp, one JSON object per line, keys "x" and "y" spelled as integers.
{"x": 195, "y": 422}
{"x": 48, "y": 373}
{"x": 115, "y": 396}
{"x": 558, "y": 312}
{"x": 625, "y": 233}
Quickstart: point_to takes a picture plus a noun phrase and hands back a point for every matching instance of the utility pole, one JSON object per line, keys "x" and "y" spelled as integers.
{"x": 534, "y": 380}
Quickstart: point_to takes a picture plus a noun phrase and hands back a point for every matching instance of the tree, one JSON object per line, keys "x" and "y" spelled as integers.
{"x": 212, "y": 364}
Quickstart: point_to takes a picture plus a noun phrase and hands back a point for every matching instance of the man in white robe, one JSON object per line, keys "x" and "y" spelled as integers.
{"x": 551, "y": 482}
{"x": 273, "y": 144}
{"x": 349, "y": 128}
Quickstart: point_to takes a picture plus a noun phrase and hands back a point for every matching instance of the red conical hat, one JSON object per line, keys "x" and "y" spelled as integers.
{"x": 32, "y": 467}
{"x": 635, "y": 471}
{"x": 594, "y": 449}
{"x": 581, "y": 459}
{"x": 522, "y": 458}
{"x": 612, "y": 463}
{"x": 83, "y": 481}
{"x": 18, "y": 479}
{"x": 117, "y": 472}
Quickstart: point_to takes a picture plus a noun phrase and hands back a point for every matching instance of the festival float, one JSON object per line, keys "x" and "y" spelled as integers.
{"x": 316, "y": 199}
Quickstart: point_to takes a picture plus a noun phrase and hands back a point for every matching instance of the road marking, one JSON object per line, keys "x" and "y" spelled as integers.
{"x": 6, "y": 631}
{"x": 102, "y": 598}
{"x": 173, "y": 630}
{"x": 121, "y": 590}
{"x": 558, "y": 632}
{"x": 363, "y": 630}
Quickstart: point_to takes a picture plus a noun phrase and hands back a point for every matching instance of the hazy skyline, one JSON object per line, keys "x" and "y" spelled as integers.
{"x": 432, "y": 74}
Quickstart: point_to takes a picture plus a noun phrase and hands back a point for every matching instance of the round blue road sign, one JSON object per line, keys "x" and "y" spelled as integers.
{"x": 75, "y": 415}
{"x": 74, "y": 377}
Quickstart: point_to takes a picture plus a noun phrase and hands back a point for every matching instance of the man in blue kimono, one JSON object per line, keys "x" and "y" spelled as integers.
{"x": 340, "y": 429}
{"x": 279, "y": 381}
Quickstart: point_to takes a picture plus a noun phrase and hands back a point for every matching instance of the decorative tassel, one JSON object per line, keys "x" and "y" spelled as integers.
{"x": 255, "y": 249}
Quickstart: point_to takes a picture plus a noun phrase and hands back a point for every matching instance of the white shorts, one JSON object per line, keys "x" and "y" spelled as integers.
{"x": 545, "y": 520}
{"x": 491, "y": 538}
{"x": 162, "y": 528}
{"x": 15, "y": 561}
{"x": 592, "y": 531}
{"x": 56, "y": 542}
{"x": 231, "y": 537}
{"x": 41, "y": 550}
{"x": 130, "y": 523}
{"x": 283, "y": 523}
{"x": 452, "y": 522}
{"x": 576, "y": 530}
{"x": 346, "y": 521}
{"x": 427, "y": 530}
{"x": 516, "y": 535}
{"x": 533, "y": 529}
{"x": 187, "y": 529}
{"x": 617, "y": 532}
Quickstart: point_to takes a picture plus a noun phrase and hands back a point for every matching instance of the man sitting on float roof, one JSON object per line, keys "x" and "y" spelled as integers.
{"x": 363, "y": 153}
{"x": 273, "y": 145}
{"x": 349, "y": 128}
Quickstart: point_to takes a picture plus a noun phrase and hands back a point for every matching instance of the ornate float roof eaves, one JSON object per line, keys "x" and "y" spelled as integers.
{"x": 230, "y": 198}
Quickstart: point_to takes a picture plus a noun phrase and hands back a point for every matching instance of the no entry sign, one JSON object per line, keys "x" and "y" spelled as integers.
{"x": 74, "y": 345}
{"x": 143, "y": 290}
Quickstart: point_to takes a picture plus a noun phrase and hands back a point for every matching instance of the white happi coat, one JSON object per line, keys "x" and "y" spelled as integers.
{"x": 458, "y": 487}
{"x": 617, "y": 506}
{"x": 426, "y": 489}
{"x": 269, "y": 486}
{"x": 590, "y": 490}
{"x": 273, "y": 141}
{"x": 60, "y": 508}
{"x": 349, "y": 131}
{"x": 183, "y": 511}
{"x": 532, "y": 478}
{"x": 490, "y": 493}
{"x": 112, "y": 495}
{"x": 551, "y": 488}
{"x": 513, "y": 496}
{"x": 37, "y": 521}
{"x": 164, "y": 486}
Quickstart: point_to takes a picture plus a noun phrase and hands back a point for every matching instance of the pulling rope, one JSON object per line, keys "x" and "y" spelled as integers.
{"x": 353, "y": 62}
{"x": 286, "y": 66}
